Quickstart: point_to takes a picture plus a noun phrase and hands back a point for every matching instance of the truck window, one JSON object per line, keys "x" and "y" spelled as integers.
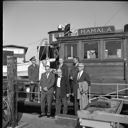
{"x": 113, "y": 49}
{"x": 70, "y": 51}
{"x": 90, "y": 50}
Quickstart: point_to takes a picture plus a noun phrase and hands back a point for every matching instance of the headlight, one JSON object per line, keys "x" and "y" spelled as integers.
{"x": 28, "y": 89}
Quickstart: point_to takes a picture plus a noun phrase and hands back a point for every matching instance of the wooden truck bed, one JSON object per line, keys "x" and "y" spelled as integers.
{"x": 99, "y": 117}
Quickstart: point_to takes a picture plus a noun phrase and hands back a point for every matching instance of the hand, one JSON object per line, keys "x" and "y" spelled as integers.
{"x": 89, "y": 101}
{"x": 54, "y": 71}
{"x": 71, "y": 77}
{"x": 45, "y": 89}
{"x": 68, "y": 95}
{"x": 72, "y": 94}
{"x": 31, "y": 82}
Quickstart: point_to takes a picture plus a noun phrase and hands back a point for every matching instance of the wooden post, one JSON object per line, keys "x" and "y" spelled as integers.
{"x": 12, "y": 85}
{"x": 126, "y": 59}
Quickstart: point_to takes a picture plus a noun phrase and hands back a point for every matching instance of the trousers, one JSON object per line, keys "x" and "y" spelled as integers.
{"x": 46, "y": 97}
{"x": 76, "y": 103}
{"x": 60, "y": 101}
{"x": 33, "y": 89}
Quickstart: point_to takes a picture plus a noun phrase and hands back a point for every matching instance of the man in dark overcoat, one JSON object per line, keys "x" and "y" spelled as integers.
{"x": 47, "y": 89}
{"x": 33, "y": 74}
{"x": 62, "y": 92}
{"x": 74, "y": 70}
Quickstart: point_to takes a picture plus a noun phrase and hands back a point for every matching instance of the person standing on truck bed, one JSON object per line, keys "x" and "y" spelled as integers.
{"x": 33, "y": 74}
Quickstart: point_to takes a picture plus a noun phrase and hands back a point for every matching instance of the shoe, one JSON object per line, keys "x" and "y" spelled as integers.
{"x": 48, "y": 115}
{"x": 31, "y": 100}
{"x": 34, "y": 100}
{"x": 56, "y": 114}
{"x": 41, "y": 115}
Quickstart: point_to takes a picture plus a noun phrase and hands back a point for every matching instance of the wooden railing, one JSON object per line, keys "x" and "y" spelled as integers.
{"x": 114, "y": 92}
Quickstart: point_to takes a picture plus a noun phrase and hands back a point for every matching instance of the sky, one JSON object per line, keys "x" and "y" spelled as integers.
{"x": 26, "y": 23}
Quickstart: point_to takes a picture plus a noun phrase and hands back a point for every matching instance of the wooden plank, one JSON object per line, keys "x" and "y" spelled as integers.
{"x": 119, "y": 108}
{"x": 65, "y": 116}
{"x": 125, "y": 100}
{"x": 115, "y": 84}
{"x": 106, "y": 72}
{"x": 64, "y": 119}
{"x": 103, "y": 116}
{"x": 12, "y": 85}
{"x": 94, "y": 124}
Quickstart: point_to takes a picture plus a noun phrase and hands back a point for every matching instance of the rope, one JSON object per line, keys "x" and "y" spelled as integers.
{"x": 113, "y": 16}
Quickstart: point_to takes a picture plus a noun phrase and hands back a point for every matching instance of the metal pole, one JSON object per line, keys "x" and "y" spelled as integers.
{"x": 38, "y": 93}
{"x": 117, "y": 91}
{"x": 38, "y": 100}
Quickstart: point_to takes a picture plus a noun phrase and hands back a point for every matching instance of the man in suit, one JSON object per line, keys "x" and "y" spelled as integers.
{"x": 74, "y": 70}
{"x": 81, "y": 76}
{"x": 47, "y": 89}
{"x": 33, "y": 74}
{"x": 64, "y": 68}
{"x": 62, "y": 92}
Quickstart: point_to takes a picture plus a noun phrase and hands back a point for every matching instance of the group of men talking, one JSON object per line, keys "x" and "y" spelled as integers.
{"x": 61, "y": 82}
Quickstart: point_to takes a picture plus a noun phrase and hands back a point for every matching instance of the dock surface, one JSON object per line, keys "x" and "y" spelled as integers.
{"x": 33, "y": 121}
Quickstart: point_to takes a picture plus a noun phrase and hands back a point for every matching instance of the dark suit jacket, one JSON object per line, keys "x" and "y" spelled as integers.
{"x": 64, "y": 69}
{"x": 84, "y": 77}
{"x": 64, "y": 86}
{"x": 47, "y": 82}
{"x": 33, "y": 73}
{"x": 74, "y": 70}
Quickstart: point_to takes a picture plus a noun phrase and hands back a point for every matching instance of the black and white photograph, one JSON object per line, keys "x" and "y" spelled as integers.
{"x": 65, "y": 64}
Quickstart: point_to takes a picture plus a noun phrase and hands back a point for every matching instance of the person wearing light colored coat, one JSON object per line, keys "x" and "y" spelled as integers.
{"x": 81, "y": 77}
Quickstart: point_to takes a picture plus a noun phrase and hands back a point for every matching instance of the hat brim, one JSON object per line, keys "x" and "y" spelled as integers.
{"x": 47, "y": 66}
{"x": 80, "y": 65}
{"x": 33, "y": 60}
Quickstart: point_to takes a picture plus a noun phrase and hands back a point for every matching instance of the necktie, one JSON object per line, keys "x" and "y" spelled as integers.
{"x": 47, "y": 75}
{"x": 59, "y": 82}
{"x": 78, "y": 77}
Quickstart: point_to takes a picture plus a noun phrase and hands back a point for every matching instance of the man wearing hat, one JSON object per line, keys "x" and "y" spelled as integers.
{"x": 33, "y": 74}
{"x": 80, "y": 78}
{"x": 47, "y": 82}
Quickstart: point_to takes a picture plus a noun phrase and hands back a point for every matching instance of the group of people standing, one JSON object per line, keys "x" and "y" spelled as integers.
{"x": 63, "y": 83}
